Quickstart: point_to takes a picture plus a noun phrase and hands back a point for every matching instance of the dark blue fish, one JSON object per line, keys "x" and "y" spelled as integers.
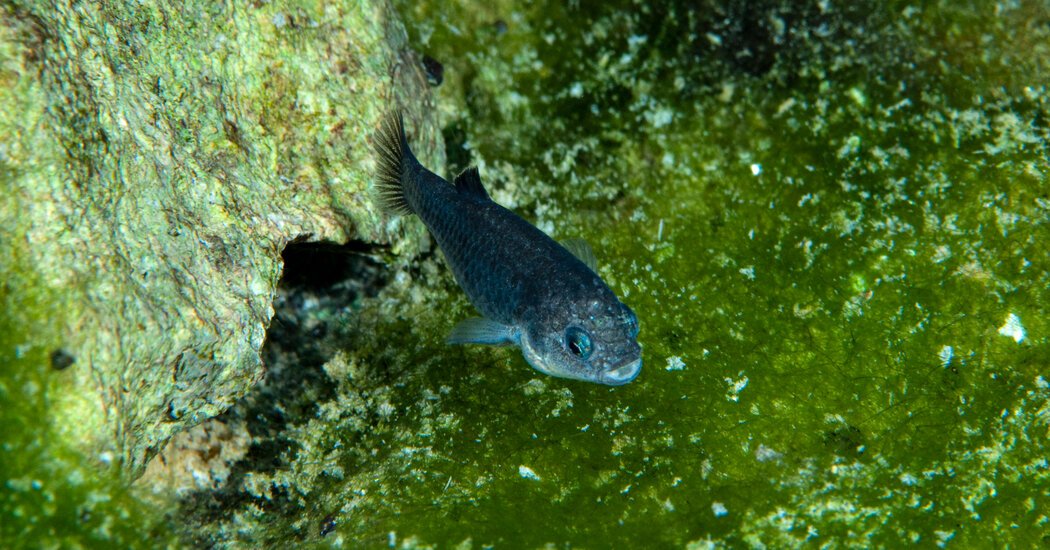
{"x": 532, "y": 291}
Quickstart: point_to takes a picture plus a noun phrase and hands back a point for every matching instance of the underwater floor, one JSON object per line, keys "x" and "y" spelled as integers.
{"x": 832, "y": 222}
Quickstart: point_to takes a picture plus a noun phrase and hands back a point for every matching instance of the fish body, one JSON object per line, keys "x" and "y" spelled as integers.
{"x": 531, "y": 291}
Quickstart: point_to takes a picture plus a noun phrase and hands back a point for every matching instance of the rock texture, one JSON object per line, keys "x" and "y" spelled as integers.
{"x": 155, "y": 159}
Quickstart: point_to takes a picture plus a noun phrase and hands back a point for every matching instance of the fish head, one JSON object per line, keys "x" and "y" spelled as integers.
{"x": 593, "y": 339}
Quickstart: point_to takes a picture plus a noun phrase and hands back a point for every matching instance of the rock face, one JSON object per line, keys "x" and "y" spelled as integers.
{"x": 155, "y": 159}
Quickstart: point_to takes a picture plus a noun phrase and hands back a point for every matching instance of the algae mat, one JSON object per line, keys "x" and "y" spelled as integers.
{"x": 832, "y": 223}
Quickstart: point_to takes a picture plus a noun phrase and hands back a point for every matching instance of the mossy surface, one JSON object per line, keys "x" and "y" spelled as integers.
{"x": 51, "y": 497}
{"x": 832, "y": 223}
{"x": 156, "y": 158}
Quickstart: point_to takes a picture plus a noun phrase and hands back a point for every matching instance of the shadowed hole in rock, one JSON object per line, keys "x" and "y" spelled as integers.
{"x": 320, "y": 287}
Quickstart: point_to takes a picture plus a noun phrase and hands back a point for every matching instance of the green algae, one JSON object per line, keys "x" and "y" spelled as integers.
{"x": 832, "y": 235}
{"x": 154, "y": 160}
{"x": 52, "y": 497}
{"x": 826, "y": 255}
{"x": 831, "y": 222}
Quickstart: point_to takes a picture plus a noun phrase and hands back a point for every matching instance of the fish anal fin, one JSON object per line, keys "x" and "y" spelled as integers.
{"x": 469, "y": 181}
{"x": 478, "y": 330}
{"x": 582, "y": 251}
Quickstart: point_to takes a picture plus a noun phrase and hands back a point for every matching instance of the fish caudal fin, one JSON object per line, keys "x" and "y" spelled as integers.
{"x": 391, "y": 148}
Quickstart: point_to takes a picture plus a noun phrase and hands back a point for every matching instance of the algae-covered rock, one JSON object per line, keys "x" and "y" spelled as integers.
{"x": 831, "y": 220}
{"x": 155, "y": 159}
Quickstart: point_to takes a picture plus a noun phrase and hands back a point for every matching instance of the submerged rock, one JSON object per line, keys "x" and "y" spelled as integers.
{"x": 832, "y": 220}
{"x": 155, "y": 159}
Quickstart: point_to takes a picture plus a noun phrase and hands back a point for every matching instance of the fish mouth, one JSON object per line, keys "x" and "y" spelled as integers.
{"x": 622, "y": 375}
{"x": 613, "y": 377}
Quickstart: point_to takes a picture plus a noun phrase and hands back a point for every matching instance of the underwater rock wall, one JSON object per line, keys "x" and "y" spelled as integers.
{"x": 155, "y": 160}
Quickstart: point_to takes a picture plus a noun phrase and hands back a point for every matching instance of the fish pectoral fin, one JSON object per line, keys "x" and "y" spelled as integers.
{"x": 478, "y": 330}
{"x": 582, "y": 251}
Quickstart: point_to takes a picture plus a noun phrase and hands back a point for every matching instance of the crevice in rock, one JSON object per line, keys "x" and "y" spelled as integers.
{"x": 321, "y": 286}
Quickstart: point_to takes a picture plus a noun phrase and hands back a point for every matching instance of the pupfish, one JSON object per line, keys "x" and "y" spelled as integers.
{"x": 531, "y": 291}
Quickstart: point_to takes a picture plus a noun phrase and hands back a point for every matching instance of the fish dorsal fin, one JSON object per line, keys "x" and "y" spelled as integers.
{"x": 582, "y": 251}
{"x": 469, "y": 181}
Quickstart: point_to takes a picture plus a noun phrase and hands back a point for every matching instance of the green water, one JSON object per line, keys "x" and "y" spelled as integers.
{"x": 832, "y": 224}
{"x": 824, "y": 240}
{"x": 51, "y": 496}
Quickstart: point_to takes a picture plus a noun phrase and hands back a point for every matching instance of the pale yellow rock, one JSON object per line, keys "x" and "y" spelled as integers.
{"x": 155, "y": 158}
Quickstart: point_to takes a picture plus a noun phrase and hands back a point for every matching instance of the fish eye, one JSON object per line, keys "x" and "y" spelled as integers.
{"x": 578, "y": 342}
